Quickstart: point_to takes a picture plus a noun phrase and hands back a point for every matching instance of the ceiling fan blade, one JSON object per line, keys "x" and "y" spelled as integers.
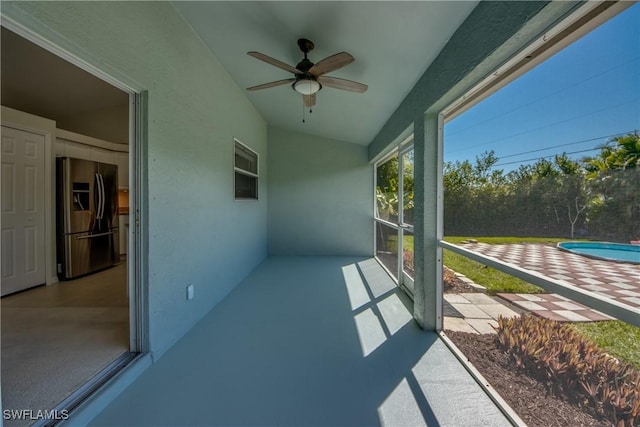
{"x": 331, "y": 63}
{"x": 274, "y": 62}
{"x": 343, "y": 84}
{"x": 272, "y": 84}
{"x": 309, "y": 100}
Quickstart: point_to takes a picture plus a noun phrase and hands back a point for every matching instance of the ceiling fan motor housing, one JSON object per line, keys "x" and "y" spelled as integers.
{"x": 305, "y": 65}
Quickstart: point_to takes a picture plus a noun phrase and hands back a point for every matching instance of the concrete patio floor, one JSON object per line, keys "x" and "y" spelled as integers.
{"x": 311, "y": 341}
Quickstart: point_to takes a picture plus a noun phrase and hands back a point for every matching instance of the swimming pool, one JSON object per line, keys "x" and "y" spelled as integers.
{"x": 601, "y": 250}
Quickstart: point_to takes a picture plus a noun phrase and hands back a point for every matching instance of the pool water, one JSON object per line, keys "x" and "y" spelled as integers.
{"x": 608, "y": 251}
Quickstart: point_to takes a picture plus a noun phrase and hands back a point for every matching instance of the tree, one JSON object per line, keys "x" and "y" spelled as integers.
{"x": 614, "y": 179}
{"x": 597, "y": 196}
{"x": 574, "y": 219}
{"x": 387, "y": 186}
{"x": 627, "y": 155}
{"x": 566, "y": 165}
{"x": 619, "y": 153}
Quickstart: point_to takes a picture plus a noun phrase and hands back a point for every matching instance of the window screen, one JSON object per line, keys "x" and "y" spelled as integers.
{"x": 245, "y": 172}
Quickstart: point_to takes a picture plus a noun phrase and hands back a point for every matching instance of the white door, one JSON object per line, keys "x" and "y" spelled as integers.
{"x": 22, "y": 205}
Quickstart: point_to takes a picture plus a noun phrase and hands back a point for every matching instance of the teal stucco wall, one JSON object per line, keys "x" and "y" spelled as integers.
{"x": 320, "y": 196}
{"x": 198, "y": 234}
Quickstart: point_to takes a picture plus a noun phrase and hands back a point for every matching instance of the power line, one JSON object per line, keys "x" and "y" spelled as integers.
{"x": 543, "y": 157}
{"x": 548, "y": 125}
{"x": 500, "y": 115}
{"x": 566, "y": 144}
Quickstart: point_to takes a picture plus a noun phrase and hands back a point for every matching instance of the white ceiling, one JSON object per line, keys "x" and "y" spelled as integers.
{"x": 393, "y": 44}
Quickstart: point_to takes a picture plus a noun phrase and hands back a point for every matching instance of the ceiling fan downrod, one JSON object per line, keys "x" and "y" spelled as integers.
{"x": 305, "y": 65}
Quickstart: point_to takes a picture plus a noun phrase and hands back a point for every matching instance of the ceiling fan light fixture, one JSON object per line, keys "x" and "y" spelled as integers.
{"x": 306, "y": 86}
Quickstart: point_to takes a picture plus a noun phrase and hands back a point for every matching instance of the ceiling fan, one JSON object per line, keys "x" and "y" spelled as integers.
{"x": 309, "y": 78}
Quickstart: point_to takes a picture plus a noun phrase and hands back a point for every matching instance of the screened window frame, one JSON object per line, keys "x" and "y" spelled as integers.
{"x": 252, "y": 173}
{"x": 405, "y": 281}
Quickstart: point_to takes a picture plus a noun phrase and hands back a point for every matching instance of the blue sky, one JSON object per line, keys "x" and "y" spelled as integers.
{"x": 580, "y": 96}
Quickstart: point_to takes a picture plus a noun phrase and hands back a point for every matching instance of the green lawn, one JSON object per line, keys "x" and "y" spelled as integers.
{"x": 494, "y": 280}
{"x": 617, "y": 338}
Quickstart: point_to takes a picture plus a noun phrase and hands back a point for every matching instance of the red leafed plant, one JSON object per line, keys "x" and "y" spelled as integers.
{"x": 573, "y": 367}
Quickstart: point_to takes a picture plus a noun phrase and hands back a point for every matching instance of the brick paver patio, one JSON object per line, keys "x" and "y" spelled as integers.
{"x": 618, "y": 281}
{"x": 555, "y": 307}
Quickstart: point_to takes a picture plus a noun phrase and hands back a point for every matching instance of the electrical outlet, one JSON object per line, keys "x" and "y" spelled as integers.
{"x": 189, "y": 292}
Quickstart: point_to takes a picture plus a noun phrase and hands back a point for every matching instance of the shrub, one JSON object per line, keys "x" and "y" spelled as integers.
{"x": 573, "y": 367}
{"x": 407, "y": 259}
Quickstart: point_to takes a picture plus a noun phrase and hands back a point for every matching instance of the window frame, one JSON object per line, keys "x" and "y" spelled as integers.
{"x": 400, "y": 277}
{"x": 583, "y": 20}
{"x": 237, "y": 144}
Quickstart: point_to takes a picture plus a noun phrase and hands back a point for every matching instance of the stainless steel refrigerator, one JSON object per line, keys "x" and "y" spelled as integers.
{"x": 86, "y": 216}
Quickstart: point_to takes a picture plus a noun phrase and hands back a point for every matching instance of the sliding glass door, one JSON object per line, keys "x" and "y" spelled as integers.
{"x": 394, "y": 215}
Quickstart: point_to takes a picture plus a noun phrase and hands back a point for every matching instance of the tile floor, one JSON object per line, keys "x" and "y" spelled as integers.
{"x": 55, "y": 338}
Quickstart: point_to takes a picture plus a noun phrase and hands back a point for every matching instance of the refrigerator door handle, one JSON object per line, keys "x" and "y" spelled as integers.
{"x": 97, "y": 192}
{"x": 102, "y": 197}
{"x": 91, "y": 236}
{"x": 100, "y": 188}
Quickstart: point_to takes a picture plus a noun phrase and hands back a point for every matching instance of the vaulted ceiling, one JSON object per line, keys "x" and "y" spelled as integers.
{"x": 393, "y": 43}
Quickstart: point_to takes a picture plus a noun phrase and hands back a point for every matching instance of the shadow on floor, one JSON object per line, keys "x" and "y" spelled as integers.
{"x": 307, "y": 341}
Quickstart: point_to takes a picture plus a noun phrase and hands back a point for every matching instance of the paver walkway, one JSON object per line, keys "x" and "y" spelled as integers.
{"x": 555, "y": 307}
{"x": 618, "y": 281}
{"x": 480, "y": 313}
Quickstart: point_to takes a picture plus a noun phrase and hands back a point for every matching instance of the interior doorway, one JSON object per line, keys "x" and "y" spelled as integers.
{"x": 60, "y": 338}
{"x": 394, "y": 178}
